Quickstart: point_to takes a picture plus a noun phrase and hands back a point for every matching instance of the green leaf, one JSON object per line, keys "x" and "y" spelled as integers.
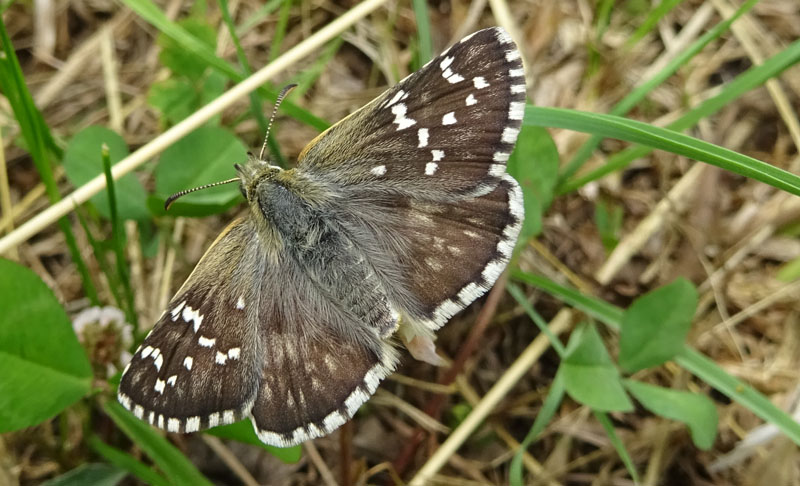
{"x": 242, "y": 431}
{"x": 178, "y": 59}
{"x": 170, "y": 460}
{"x": 589, "y": 374}
{"x": 691, "y": 360}
{"x": 43, "y": 366}
{"x": 534, "y": 164}
{"x": 654, "y": 327}
{"x": 204, "y": 156}
{"x": 83, "y": 162}
{"x": 89, "y": 475}
{"x": 174, "y": 98}
{"x": 696, "y": 411}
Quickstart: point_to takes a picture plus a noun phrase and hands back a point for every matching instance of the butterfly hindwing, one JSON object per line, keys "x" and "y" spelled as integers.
{"x": 195, "y": 370}
{"x": 447, "y": 130}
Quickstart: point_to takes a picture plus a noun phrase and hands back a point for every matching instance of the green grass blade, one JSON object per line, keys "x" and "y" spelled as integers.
{"x": 127, "y": 462}
{"x": 280, "y": 30}
{"x": 425, "y": 47}
{"x": 602, "y": 417}
{"x": 652, "y": 20}
{"x": 549, "y": 408}
{"x": 170, "y": 460}
{"x": 519, "y": 296}
{"x": 689, "y": 359}
{"x": 663, "y": 139}
{"x": 255, "y": 100}
{"x": 118, "y": 240}
{"x": 100, "y": 257}
{"x": 37, "y": 136}
{"x": 750, "y": 79}
{"x": 635, "y": 96}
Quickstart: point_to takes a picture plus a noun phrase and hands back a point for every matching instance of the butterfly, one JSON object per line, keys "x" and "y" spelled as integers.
{"x": 393, "y": 220}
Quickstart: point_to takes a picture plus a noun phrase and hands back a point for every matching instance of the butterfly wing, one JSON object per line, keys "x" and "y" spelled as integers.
{"x": 445, "y": 131}
{"x": 197, "y": 368}
{"x": 422, "y": 171}
{"x": 250, "y": 333}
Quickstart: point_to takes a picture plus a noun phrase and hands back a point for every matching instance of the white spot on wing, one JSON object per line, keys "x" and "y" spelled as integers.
{"x": 512, "y": 55}
{"x": 378, "y": 170}
{"x": 510, "y": 135}
{"x": 160, "y": 384}
{"x": 497, "y": 170}
{"x": 138, "y": 411}
{"x": 449, "y": 118}
{"x": 240, "y": 303}
{"x": 430, "y": 168}
{"x": 233, "y": 353}
{"x": 500, "y": 156}
{"x": 146, "y": 351}
{"x": 171, "y": 380}
{"x": 399, "y": 111}
{"x": 213, "y": 419}
{"x": 516, "y": 73}
{"x": 437, "y": 155}
{"x": 470, "y": 292}
{"x": 206, "y": 342}
{"x": 446, "y": 62}
{"x": 192, "y": 424}
{"x": 518, "y": 88}
{"x": 480, "y": 82}
{"x": 422, "y": 133}
{"x": 221, "y": 358}
{"x": 227, "y": 417}
{"x": 395, "y": 98}
{"x": 502, "y": 35}
{"x": 158, "y": 362}
{"x": 471, "y": 100}
{"x": 177, "y": 310}
{"x": 516, "y": 110}
{"x": 187, "y": 362}
{"x": 173, "y": 425}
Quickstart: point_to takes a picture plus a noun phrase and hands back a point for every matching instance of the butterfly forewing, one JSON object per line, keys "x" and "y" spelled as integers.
{"x": 446, "y": 130}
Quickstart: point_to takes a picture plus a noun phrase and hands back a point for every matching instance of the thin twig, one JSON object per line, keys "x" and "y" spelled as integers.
{"x": 506, "y": 382}
{"x": 230, "y": 460}
{"x": 316, "y": 459}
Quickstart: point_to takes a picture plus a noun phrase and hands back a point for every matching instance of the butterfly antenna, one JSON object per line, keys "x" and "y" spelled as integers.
{"x": 278, "y": 101}
{"x": 175, "y": 196}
